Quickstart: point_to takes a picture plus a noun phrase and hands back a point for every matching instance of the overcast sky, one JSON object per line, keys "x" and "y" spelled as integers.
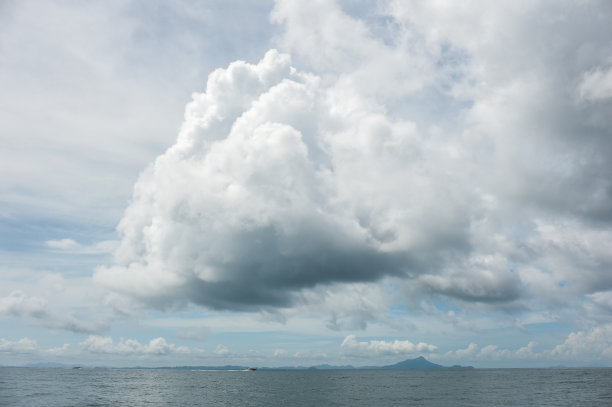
{"x": 296, "y": 183}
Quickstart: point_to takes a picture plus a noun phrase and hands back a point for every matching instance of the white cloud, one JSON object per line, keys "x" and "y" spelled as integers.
{"x": 131, "y": 347}
{"x": 527, "y": 352}
{"x": 20, "y": 305}
{"x": 596, "y": 85}
{"x": 467, "y": 352}
{"x": 63, "y": 350}
{"x": 222, "y": 350}
{"x": 494, "y": 353}
{"x": 326, "y": 39}
{"x": 350, "y": 346}
{"x": 17, "y": 304}
{"x": 293, "y": 196}
{"x": 62, "y": 244}
{"x": 72, "y": 246}
{"x": 24, "y": 345}
{"x": 588, "y": 345}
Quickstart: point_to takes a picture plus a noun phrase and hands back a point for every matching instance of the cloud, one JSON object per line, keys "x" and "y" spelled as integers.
{"x": 292, "y": 197}
{"x": 350, "y": 307}
{"x": 72, "y": 246}
{"x": 62, "y": 244}
{"x": 467, "y": 352}
{"x": 20, "y": 305}
{"x": 246, "y": 217}
{"x": 59, "y": 351}
{"x": 490, "y": 353}
{"x": 130, "y": 347}
{"x": 589, "y": 345}
{"x": 222, "y": 350}
{"x": 437, "y": 151}
{"x": 603, "y": 300}
{"x": 475, "y": 285}
{"x": 350, "y": 346}
{"x": 586, "y": 346}
{"x": 579, "y": 254}
{"x": 596, "y": 85}
{"x": 24, "y": 345}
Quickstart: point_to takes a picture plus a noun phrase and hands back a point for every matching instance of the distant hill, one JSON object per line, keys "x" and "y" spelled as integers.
{"x": 422, "y": 364}
{"x": 418, "y": 363}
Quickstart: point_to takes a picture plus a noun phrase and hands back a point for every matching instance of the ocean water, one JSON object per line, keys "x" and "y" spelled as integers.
{"x": 478, "y": 387}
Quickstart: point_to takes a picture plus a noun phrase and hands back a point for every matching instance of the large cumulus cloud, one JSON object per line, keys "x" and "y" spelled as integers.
{"x": 278, "y": 183}
{"x": 461, "y": 150}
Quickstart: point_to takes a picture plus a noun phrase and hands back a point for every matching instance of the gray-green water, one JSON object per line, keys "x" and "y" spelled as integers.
{"x": 479, "y": 387}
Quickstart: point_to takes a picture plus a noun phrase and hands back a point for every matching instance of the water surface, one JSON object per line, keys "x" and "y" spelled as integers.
{"x": 478, "y": 387}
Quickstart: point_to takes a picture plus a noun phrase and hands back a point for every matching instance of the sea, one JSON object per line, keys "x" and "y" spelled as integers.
{"x": 50, "y": 387}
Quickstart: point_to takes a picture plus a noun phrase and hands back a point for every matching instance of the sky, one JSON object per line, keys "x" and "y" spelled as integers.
{"x": 288, "y": 183}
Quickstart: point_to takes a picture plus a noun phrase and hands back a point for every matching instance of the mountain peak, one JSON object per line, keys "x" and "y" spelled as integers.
{"x": 420, "y": 363}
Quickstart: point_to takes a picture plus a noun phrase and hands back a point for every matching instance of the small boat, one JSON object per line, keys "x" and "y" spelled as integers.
{"x": 251, "y": 369}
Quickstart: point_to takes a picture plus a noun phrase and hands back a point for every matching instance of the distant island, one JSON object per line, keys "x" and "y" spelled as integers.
{"x": 422, "y": 364}
{"x": 419, "y": 363}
